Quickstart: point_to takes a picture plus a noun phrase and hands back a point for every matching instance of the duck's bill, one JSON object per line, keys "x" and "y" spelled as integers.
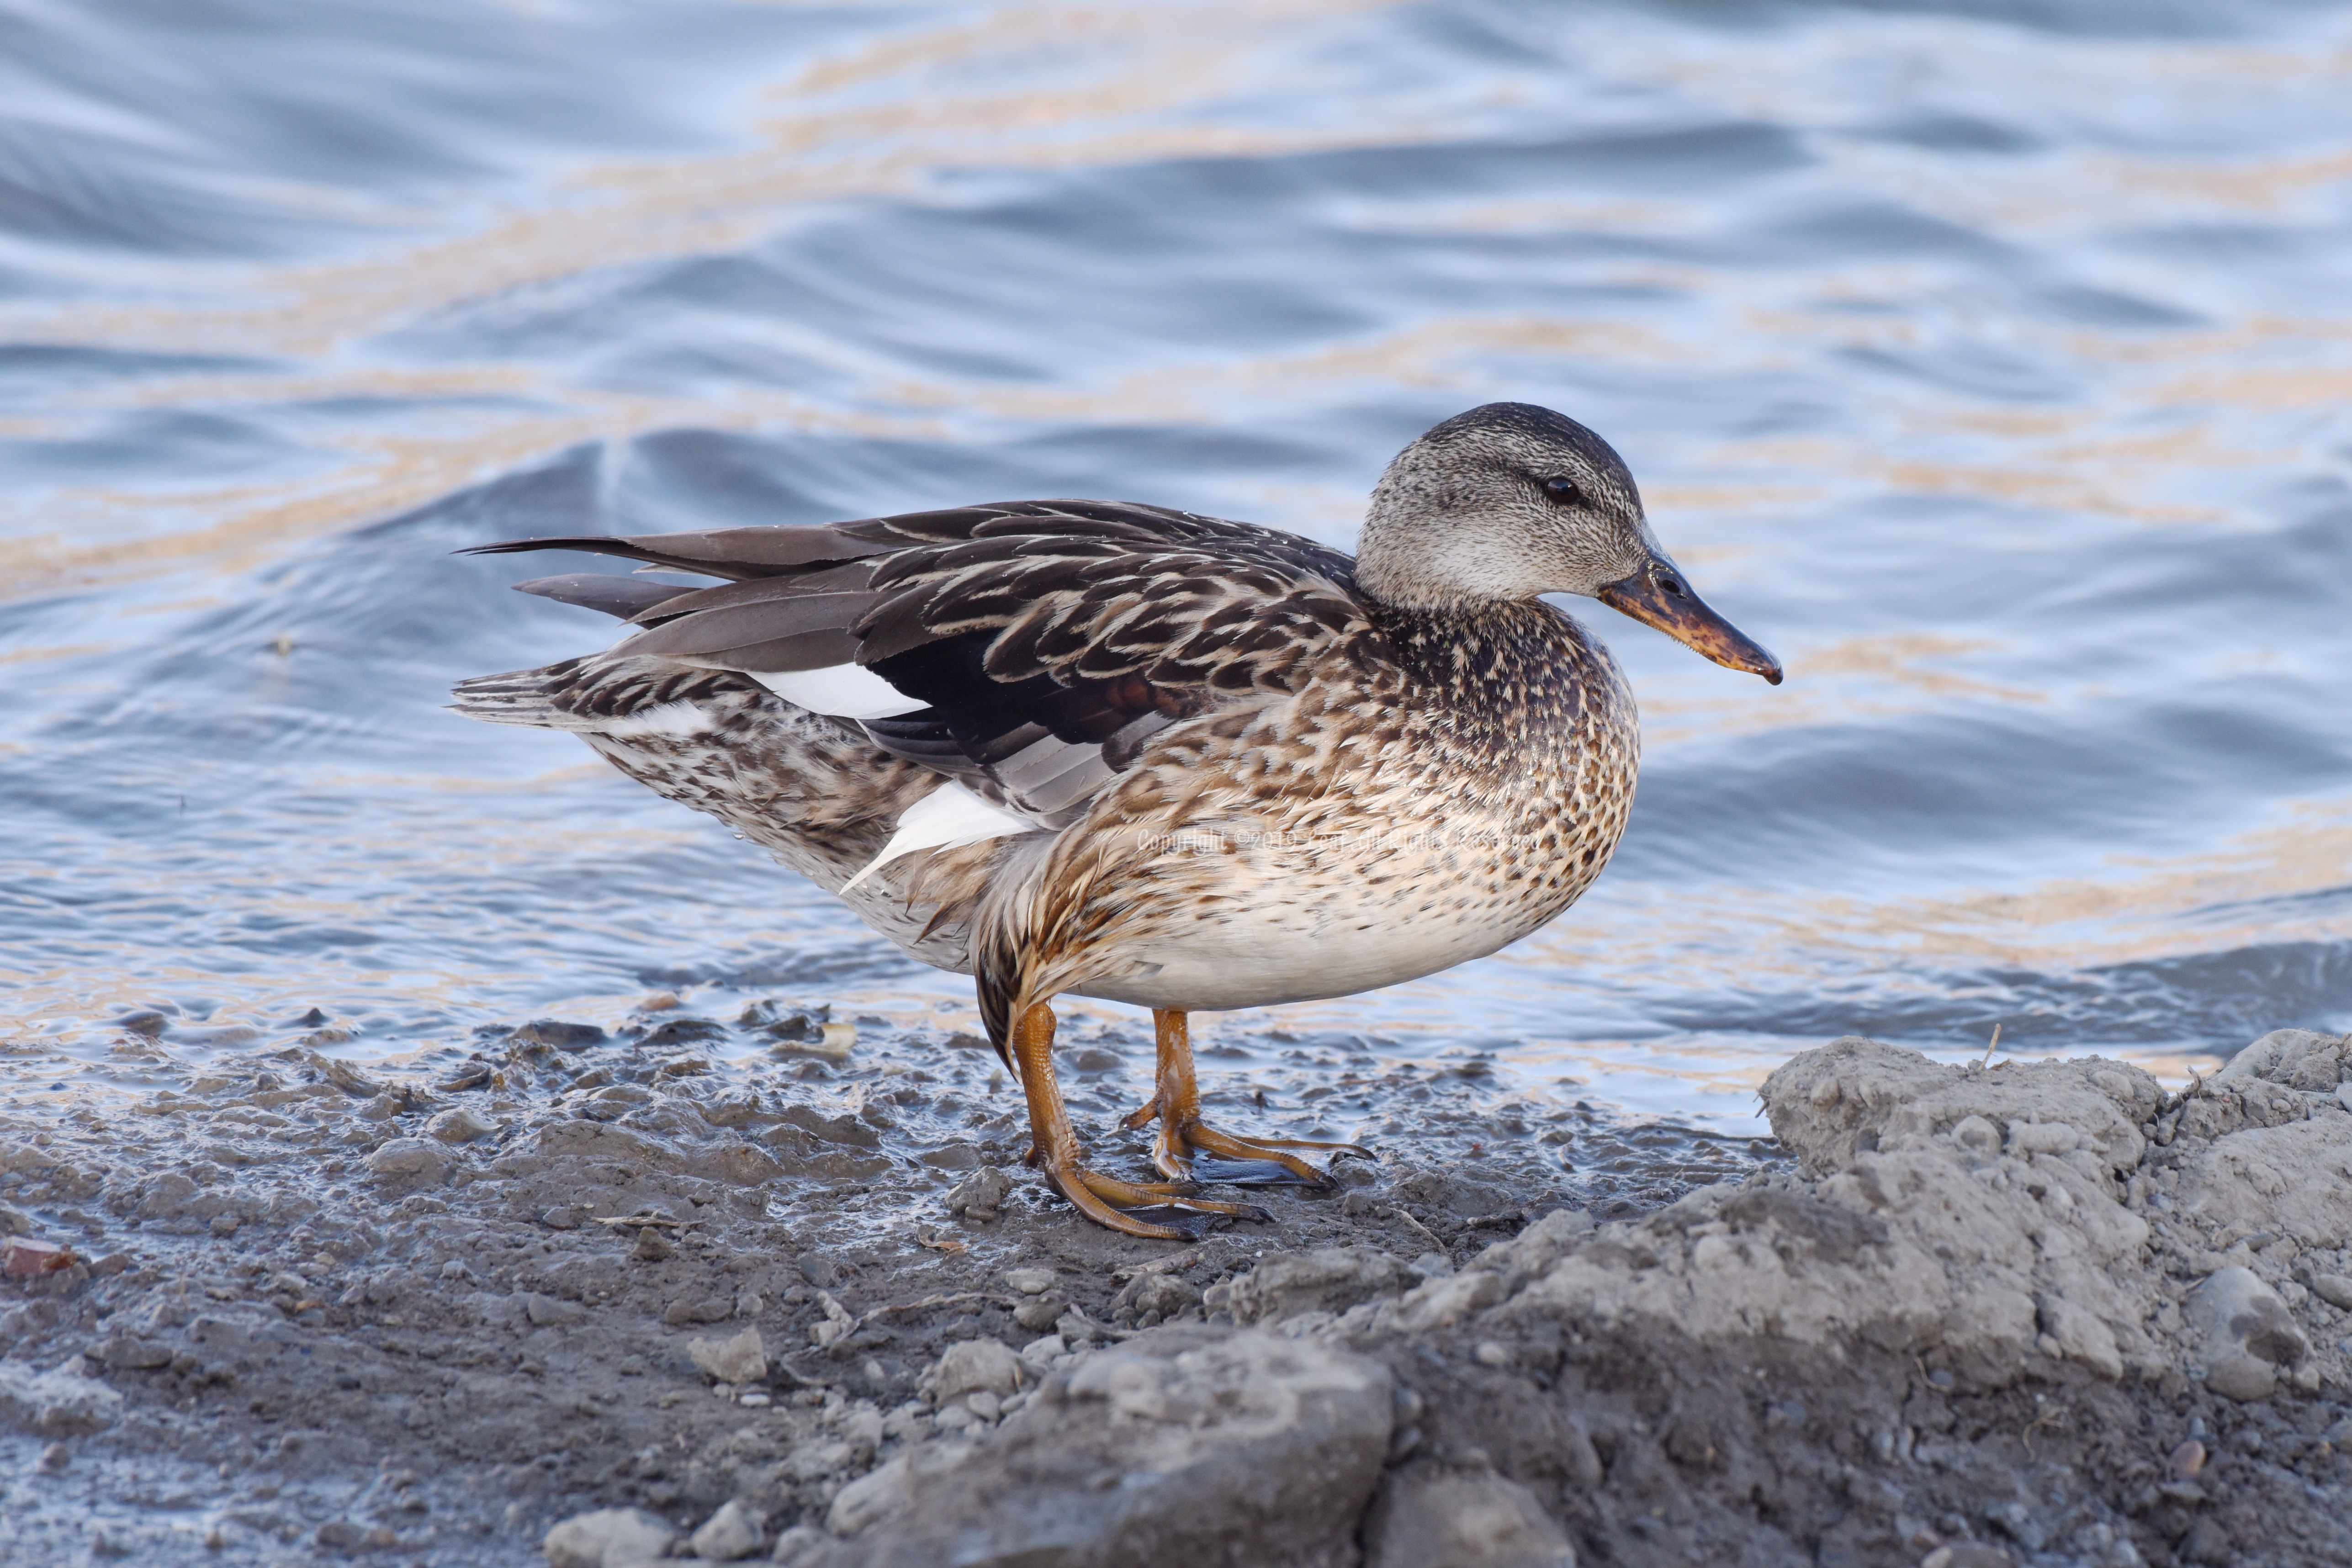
{"x": 1657, "y": 596}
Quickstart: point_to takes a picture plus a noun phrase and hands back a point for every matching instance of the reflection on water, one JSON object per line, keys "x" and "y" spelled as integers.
{"x": 1988, "y": 366}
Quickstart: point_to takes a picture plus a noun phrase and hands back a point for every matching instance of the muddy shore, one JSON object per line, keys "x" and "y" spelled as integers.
{"x": 586, "y": 1298}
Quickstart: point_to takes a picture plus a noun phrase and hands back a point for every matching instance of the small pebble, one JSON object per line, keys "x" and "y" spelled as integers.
{"x": 2186, "y": 1460}
{"x": 652, "y": 1245}
{"x": 1040, "y": 1314}
{"x": 1030, "y": 1281}
{"x": 735, "y": 1530}
{"x": 743, "y": 1359}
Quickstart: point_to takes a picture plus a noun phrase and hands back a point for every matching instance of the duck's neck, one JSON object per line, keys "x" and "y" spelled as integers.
{"x": 1510, "y": 656}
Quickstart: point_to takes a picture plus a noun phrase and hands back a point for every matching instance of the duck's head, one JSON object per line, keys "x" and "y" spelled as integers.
{"x": 1509, "y": 502}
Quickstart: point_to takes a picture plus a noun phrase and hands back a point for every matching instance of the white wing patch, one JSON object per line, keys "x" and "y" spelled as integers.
{"x": 681, "y": 717}
{"x": 947, "y": 818}
{"x": 839, "y": 692}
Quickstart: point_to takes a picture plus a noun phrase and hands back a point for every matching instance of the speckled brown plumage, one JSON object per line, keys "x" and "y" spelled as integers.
{"x": 1217, "y": 765}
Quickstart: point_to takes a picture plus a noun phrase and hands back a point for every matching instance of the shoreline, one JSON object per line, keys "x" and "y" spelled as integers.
{"x": 348, "y": 1312}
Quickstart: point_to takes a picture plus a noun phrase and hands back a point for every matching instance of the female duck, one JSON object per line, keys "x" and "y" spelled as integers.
{"x": 1134, "y": 753}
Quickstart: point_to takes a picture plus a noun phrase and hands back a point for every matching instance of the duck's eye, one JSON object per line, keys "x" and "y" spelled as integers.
{"x": 1562, "y": 491}
{"x": 1672, "y": 584}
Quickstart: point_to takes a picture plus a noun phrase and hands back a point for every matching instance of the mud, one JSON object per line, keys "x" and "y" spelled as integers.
{"x": 320, "y": 1307}
{"x": 594, "y": 1297}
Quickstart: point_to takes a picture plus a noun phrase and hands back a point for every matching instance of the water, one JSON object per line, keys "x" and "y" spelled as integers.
{"x": 1988, "y": 363}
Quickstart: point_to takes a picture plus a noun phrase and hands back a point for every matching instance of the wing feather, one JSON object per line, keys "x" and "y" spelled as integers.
{"x": 1050, "y": 640}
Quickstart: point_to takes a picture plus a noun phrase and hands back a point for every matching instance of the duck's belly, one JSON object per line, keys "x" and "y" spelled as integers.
{"x": 1255, "y": 950}
{"x": 1251, "y": 966}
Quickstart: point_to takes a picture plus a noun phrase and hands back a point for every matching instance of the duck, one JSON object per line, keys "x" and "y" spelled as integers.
{"x": 1113, "y": 750}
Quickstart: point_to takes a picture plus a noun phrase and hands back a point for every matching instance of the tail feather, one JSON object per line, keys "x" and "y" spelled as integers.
{"x": 518, "y": 697}
{"x": 599, "y": 694}
{"x": 814, "y": 792}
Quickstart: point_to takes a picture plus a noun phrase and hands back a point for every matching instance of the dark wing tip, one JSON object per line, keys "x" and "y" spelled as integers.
{"x": 622, "y": 597}
{"x": 593, "y": 542}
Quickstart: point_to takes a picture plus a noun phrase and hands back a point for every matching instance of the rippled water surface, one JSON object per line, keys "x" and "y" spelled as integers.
{"x": 1990, "y": 363}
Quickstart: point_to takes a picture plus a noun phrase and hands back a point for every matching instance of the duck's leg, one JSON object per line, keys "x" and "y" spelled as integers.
{"x": 1166, "y": 1211}
{"x": 1176, "y": 1103}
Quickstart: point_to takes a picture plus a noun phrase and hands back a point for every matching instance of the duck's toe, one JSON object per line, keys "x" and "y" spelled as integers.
{"x": 1165, "y": 1211}
{"x": 1199, "y": 1150}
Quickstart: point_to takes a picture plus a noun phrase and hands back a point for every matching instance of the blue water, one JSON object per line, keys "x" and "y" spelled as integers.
{"x": 1989, "y": 362}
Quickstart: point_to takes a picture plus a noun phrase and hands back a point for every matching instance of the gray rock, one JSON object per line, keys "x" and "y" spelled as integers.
{"x": 348, "y": 1078}
{"x": 2333, "y": 1288}
{"x": 1857, "y": 1096}
{"x": 410, "y": 1157}
{"x": 2235, "y": 1313}
{"x": 1182, "y": 1447}
{"x": 979, "y": 1195}
{"x": 2243, "y": 1378}
{"x": 743, "y": 1359}
{"x": 972, "y": 1365}
{"x": 735, "y": 1530}
{"x": 1041, "y": 1313}
{"x": 1462, "y": 1521}
{"x": 2288, "y": 1179}
{"x": 2299, "y": 1059}
{"x": 1030, "y": 1281}
{"x": 608, "y": 1538}
{"x": 459, "y": 1125}
{"x": 1330, "y": 1278}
